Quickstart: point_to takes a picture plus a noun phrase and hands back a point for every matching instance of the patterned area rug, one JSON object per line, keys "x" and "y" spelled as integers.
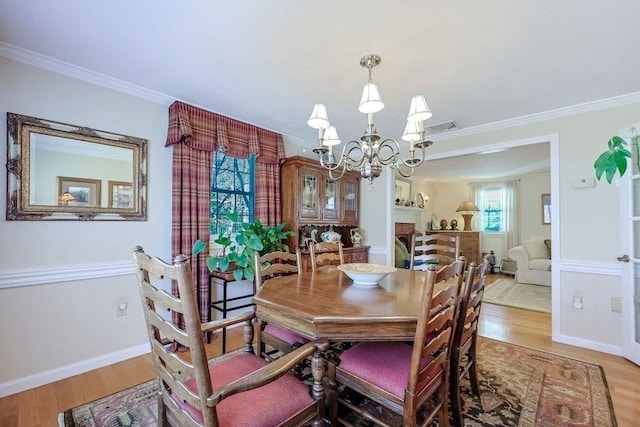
{"x": 519, "y": 387}
{"x": 521, "y": 295}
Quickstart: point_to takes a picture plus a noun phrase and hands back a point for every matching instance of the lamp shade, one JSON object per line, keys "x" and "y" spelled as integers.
{"x": 370, "y": 101}
{"x": 419, "y": 111}
{"x": 319, "y": 118}
{"x": 330, "y": 137}
{"x": 467, "y": 207}
{"x": 413, "y": 131}
{"x": 65, "y": 198}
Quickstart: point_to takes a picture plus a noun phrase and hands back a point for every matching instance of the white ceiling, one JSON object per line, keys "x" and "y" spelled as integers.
{"x": 269, "y": 62}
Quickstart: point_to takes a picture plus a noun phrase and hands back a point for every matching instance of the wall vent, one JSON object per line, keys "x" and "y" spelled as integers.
{"x": 441, "y": 127}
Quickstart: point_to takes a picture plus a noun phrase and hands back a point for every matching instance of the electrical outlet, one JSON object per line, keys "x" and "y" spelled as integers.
{"x": 577, "y": 303}
{"x": 122, "y": 304}
{"x": 616, "y": 304}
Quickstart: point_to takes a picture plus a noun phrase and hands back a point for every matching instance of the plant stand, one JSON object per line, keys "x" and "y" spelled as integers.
{"x": 220, "y": 278}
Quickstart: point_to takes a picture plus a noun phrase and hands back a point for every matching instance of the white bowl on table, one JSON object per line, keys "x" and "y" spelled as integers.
{"x": 366, "y": 275}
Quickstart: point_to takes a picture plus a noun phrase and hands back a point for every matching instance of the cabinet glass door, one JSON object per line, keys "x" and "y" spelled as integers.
{"x": 310, "y": 197}
{"x": 350, "y": 212}
{"x": 330, "y": 210}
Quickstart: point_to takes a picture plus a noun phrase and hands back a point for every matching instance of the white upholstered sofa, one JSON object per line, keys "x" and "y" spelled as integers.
{"x": 533, "y": 262}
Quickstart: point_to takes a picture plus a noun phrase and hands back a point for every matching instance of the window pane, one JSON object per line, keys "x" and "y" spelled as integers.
{"x": 232, "y": 189}
{"x": 492, "y": 208}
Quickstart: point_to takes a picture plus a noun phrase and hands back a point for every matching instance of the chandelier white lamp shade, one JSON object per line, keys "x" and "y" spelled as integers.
{"x": 370, "y": 153}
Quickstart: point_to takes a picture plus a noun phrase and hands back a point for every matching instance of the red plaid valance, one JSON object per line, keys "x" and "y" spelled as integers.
{"x": 207, "y": 131}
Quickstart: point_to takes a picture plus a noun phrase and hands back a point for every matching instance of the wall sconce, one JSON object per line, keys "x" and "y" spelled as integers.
{"x": 65, "y": 198}
{"x": 467, "y": 209}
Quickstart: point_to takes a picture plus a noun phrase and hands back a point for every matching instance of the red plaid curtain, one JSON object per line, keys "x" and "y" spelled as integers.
{"x": 195, "y": 134}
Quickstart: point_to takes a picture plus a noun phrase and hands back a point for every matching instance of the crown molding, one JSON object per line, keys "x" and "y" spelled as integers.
{"x": 585, "y": 107}
{"x": 61, "y": 67}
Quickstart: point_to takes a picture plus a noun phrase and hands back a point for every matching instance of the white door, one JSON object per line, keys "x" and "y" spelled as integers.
{"x": 629, "y": 256}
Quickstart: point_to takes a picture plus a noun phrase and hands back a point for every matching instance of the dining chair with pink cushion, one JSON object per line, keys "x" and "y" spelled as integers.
{"x": 272, "y": 339}
{"x": 235, "y": 389}
{"x": 463, "y": 350}
{"x": 406, "y": 378}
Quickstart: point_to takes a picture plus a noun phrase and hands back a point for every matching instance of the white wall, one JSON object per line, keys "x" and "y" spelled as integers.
{"x": 588, "y": 226}
{"x": 532, "y": 186}
{"x": 66, "y": 322}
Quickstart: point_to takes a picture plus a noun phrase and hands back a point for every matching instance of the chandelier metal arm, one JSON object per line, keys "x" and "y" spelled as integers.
{"x": 370, "y": 154}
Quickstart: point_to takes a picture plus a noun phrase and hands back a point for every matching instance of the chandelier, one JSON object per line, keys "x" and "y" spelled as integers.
{"x": 371, "y": 153}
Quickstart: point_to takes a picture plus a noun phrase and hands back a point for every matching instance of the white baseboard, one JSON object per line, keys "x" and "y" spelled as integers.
{"x": 591, "y": 345}
{"x": 42, "y": 378}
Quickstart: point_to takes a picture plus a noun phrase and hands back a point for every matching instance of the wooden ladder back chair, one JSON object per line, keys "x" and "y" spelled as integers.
{"x": 194, "y": 391}
{"x": 437, "y": 249}
{"x": 406, "y": 378}
{"x": 323, "y": 254}
{"x": 465, "y": 338}
{"x": 272, "y": 339}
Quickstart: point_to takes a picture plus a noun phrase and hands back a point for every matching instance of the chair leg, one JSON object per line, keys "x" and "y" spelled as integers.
{"x": 473, "y": 373}
{"x": 162, "y": 413}
{"x": 454, "y": 390}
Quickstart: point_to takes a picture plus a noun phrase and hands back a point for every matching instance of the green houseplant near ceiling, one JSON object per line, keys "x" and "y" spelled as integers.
{"x": 238, "y": 248}
{"x": 615, "y": 158}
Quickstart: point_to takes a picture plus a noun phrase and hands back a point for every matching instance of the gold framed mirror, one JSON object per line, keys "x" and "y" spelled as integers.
{"x": 58, "y": 171}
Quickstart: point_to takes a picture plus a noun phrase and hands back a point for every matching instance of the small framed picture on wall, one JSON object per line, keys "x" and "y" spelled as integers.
{"x": 546, "y": 209}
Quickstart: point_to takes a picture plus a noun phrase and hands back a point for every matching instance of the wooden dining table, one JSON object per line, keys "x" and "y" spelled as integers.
{"x": 327, "y": 304}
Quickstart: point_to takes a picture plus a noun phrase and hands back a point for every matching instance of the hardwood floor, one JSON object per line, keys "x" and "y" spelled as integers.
{"x": 40, "y": 406}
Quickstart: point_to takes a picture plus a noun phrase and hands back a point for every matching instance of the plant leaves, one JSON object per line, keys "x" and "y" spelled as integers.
{"x": 255, "y": 243}
{"x": 198, "y": 247}
{"x": 242, "y": 260}
{"x": 212, "y": 263}
{"x": 232, "y": 216}
{"x": 238, "y": 274}
{"x": 223, "y": 264}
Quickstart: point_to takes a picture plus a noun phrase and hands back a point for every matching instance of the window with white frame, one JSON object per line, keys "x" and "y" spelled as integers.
{"x": 232, "y": 189}
{"x": 492, "y": 204}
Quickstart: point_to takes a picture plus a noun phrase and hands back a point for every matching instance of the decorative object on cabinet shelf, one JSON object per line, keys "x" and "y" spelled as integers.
{"x": 330, "y": 236}
{"x": 370, "y": 153}
{"x": 467, "y": 209}
{"x": 308, "y": 241}
{"x": 421, "y": 200}
{"x": 356, "y": 237}
{"x": 454, "y": 225}
{"x": 238, "y": 248}
{"x": 443, "y": 224}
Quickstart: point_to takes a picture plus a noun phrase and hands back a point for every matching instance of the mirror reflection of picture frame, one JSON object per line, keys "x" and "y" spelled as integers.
{"x": 546, "y": 209}
{"x": 120, "y": 195}
{"x": 403, "y": 191}
{"x": 85, "y": 192}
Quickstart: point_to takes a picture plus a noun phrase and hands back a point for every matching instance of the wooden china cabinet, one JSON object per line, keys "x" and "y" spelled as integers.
{"x": 311, "y": 200}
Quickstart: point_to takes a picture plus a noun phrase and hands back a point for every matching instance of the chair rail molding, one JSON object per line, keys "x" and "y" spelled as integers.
{"x": 44, "y": 276}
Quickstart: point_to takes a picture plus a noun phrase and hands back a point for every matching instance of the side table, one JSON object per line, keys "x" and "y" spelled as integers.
{"x": 508, "y": 266}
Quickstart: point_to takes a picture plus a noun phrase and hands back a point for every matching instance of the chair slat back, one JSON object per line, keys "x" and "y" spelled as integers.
{"x": 470, "y": 304}
{"x": 434, "y": 335}
{"x": 325, "y": 253}
{"x": 433, "y": 248}
{"x": 274, "y": 264}
{"x": 172, "y": 369}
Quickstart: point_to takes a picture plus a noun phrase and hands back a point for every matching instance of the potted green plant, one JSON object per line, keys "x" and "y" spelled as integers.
{"x": 615, "y": 158}
{"x": 236, "y": 255}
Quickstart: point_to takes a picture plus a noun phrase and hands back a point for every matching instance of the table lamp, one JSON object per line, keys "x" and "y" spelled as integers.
{"x": 467, "y": 209}
{"x": 65, "y": 198}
